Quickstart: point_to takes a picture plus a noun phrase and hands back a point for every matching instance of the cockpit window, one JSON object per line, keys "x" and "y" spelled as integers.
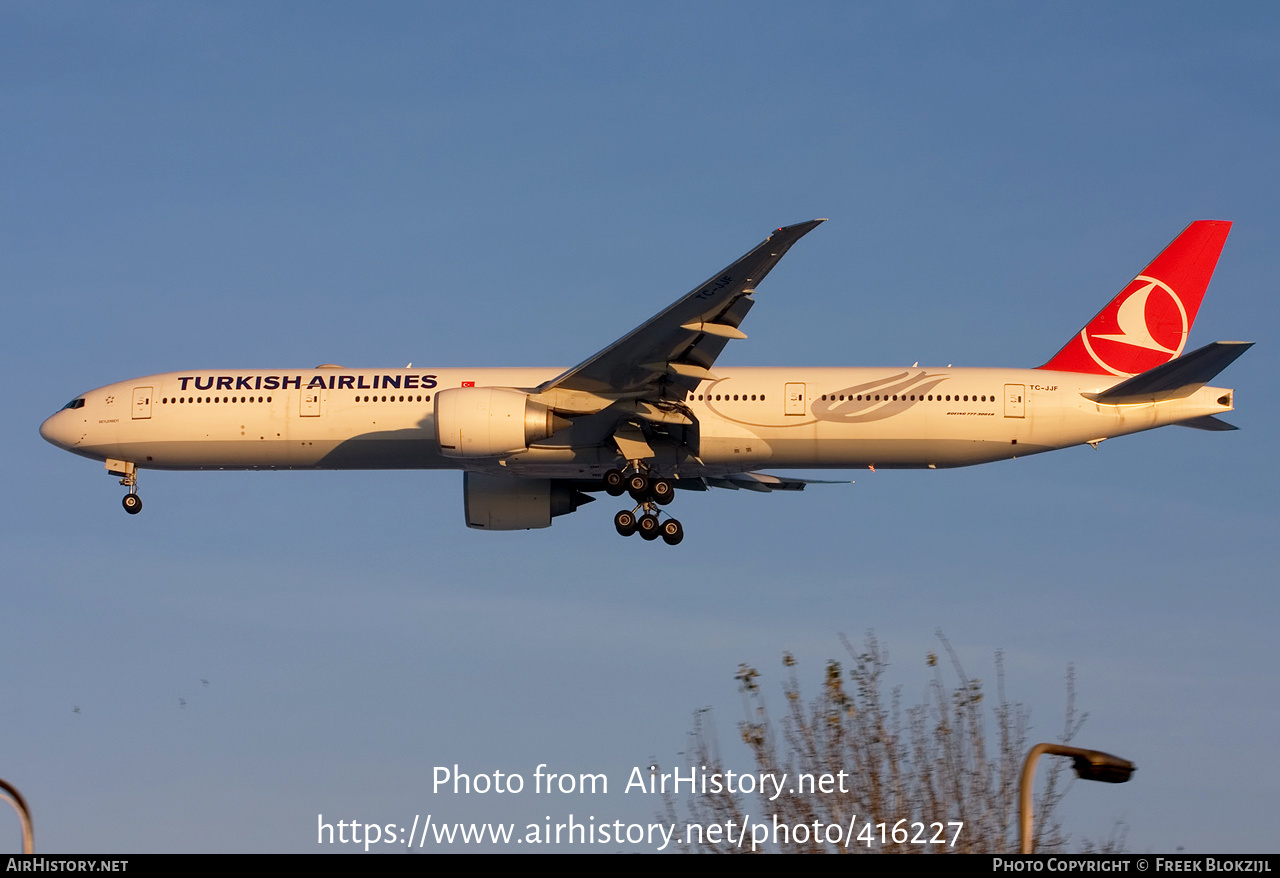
{"x": 75, "y": 404}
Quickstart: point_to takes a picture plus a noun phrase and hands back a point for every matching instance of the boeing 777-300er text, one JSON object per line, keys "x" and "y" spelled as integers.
{"x": 651, "y": 413}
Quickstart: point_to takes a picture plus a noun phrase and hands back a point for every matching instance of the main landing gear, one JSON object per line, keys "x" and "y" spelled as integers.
{"x": 649, "y": 493}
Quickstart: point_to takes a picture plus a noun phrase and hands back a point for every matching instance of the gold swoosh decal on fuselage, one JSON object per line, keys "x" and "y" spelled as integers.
{"x": 852, "y": 410}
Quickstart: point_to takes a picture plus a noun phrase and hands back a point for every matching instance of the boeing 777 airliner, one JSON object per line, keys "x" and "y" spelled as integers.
{"x": 650, "y": 413}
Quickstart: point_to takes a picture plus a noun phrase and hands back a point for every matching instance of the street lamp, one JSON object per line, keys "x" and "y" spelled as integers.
{"x": 1089, "y": 765}
{"x": 10, "y": 794}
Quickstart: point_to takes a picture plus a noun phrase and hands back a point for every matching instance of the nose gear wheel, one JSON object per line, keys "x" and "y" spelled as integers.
{"x": 131, "y": 502}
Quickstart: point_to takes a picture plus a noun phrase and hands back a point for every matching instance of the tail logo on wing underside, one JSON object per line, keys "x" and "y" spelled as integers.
{"x": 1144, "y": 327}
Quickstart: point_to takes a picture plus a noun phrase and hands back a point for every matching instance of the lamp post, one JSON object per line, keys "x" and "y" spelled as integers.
{"x": 1089, "y": 765}
{"x": 10, "y": 794}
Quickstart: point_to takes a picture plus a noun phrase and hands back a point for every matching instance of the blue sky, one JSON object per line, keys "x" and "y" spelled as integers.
{"x": 280, "y": 185}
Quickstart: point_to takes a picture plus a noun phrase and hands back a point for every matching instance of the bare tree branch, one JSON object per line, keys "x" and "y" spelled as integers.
{"x": 947, "y": 758}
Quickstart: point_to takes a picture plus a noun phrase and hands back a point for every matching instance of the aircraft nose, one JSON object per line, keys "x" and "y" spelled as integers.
{"x": 60, "y": 429}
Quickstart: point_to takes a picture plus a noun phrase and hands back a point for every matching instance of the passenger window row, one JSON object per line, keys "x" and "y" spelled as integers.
{"x": 184, "y": 399}
{"x": 861, "y": 397}
{"x": 409, "y": 398}
{"x": 210, "y": 399}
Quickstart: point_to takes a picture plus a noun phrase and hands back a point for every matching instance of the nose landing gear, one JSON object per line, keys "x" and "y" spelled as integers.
{"x": 129, "y": 478}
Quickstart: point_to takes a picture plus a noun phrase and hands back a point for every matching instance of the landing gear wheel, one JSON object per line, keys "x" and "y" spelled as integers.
{"x": 132, "y": 504}
{"x": 672, "y": 532}
{"x": 638, "y": 485}
{"x": 663, "y": 491}
{"x": 649, "y": 527}
{"x": 625, "y": 522}
{"x": 615, "y": 483}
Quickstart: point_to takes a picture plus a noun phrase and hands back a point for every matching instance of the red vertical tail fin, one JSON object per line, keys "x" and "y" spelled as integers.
{"x": 1148, "y": 322}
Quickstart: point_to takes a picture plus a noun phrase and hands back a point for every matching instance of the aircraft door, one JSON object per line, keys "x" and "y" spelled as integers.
{"x": 794, "y": 399}
{"x": 1014, "y": 400}
{"x": 142, "y": 402}
{"x": 311, "y": 398}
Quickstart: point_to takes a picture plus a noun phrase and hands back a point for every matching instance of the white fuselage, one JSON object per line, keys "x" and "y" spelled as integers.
{"x": 337, "y": 418}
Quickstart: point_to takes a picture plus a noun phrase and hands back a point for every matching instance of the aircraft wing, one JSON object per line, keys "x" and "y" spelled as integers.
{"x": 677, "y": 347}
{"x": 765, "y": 483}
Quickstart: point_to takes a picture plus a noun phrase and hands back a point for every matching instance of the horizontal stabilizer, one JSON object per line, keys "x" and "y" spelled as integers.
{"x": 1175, "y": 379}
{"x": 764, "y": 483}
{"x": 1208, "y": 422}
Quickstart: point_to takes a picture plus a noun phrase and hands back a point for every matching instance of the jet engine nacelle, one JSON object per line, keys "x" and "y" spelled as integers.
{"x": 490, "y": 421}
{"x": 505, "y": 503}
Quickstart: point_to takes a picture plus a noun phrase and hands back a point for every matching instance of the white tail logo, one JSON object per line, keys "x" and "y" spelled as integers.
{"x": 1131, "y": 318}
